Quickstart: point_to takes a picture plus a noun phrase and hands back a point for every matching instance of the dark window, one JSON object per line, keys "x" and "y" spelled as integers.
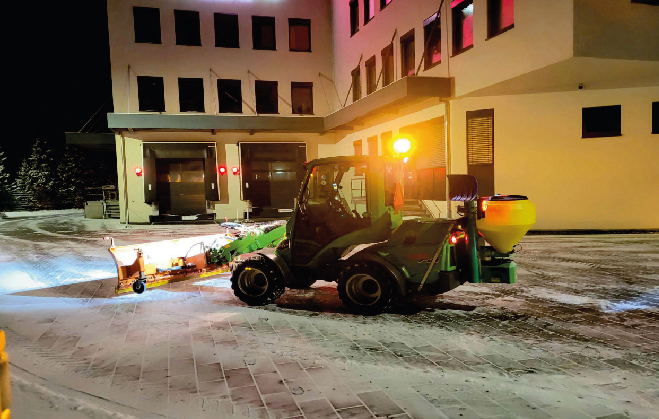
{"x": 432, "y": 38}
{"x": 191, "y": 94}
{"x": 299, "y": 34}
{"x": 407, "y": 54}
{"x": 601, "y": 121}
{"x": 429, "y": 177}
{"x": 263, "y": 32}
{"x": 480, "y": 149}
{"x": 151, "y": 94}
{"x": 371, "y": 75}
{"x": 650, "y": 2}
{"x": 463, "y": 26}
{"x": 229, "y": 96}
{"x": 372, "y": 143}
{"x": 266, "y": 97}
{"x": 356, "y": 84}
{"x": 357, "y": 145}
{"x": 500, "y": 16}
{"x": 354, "y": 17}
{"x": 302, "y": 97}
{"x": 187, "y": 27}
{"x": 146, "y": 21}
{"x": 369, "y": 10}
{"x": 655, "y": 117}
{"x": 226, "y": 31}
{"x": 387, "y": 65}
{"x": 383, "y": 3}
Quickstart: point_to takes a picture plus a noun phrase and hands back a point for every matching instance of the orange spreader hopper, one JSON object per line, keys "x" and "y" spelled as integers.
{"x": 507, "y": 219}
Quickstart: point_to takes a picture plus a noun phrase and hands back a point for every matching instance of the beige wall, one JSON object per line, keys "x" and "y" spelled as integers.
{"x": 575, "y": 183}
{"x": 171, "y": 61}
{"x": 616, "y": 29}
{"x": 542, "y": 36}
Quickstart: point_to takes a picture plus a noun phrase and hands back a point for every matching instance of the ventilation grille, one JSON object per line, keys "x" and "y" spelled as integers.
{"x": 480, "y": 140}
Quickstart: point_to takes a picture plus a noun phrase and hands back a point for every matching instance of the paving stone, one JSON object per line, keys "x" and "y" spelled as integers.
{"x": 360, "y": 412}
{"x": 379, "y": 403}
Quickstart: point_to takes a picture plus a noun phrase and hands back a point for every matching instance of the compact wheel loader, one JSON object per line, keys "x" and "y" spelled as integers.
{"x": 348, "y": 227}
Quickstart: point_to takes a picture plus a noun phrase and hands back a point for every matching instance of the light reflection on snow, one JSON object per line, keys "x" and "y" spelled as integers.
{"x": 217, "y": 283}
{"x": 644, "y": 301}
{"x": 11, "y": 281}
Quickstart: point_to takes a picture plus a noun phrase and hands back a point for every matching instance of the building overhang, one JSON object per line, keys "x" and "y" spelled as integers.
{"x": 388, "y": 100}
{"x": 90, "y": 141}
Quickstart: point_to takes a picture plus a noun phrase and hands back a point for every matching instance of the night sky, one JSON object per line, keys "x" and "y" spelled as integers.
{"x": 59, "y": 62}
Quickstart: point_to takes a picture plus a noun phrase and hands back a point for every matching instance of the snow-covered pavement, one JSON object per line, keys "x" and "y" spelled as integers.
{"x": 577, "y": 337}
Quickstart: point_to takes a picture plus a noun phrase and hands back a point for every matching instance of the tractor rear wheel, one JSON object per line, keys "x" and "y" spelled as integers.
{"x": 365, "y": 289}
{"x": 256, "y": 282}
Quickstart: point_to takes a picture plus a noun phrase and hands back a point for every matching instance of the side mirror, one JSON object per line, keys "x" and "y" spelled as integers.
{"x": 462, "y": 188}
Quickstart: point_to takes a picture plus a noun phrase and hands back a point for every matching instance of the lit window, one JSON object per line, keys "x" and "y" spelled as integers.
{"x": 146, "y": 21}
{"x": 601, "y": 121}
{"x": 463, "y": 25}
{"x": 150, "y": 94}
{"x": 371, "y": 75}
{"x": 369, "y": 10}
{"x": 229, "y": 96}
{"x": 302, "y": 98}
{"x": 226, "y": 31}
{"x": 387, "y": 65}
{"x": 383, "y": 3}
{"x": 266, "y": 97}
{"x": 356, "y": 84}
{"x": 187, "y": 27}
{"x": 500, "y": 16}
{"x": 432, "y": 37}
{"x": 263, "y": 33}
{"x": 191, "y": 94}
{"x": 354, "y": 17}
{"x": 299, "y": 33}
{"x": 407, "y": 54}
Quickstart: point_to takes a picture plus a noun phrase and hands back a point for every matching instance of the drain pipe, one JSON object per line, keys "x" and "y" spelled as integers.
{"x": 447, "y": 153}
{"x": 123, "y": 157}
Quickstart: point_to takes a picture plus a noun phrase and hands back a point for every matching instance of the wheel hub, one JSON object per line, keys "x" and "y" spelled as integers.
{"x": 253, "y": 282}
{"x": 363, "y": 289}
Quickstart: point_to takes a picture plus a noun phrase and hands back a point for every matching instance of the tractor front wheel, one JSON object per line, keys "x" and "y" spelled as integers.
{"x": 365, "y": 289}
{"x": 256, "y": 282}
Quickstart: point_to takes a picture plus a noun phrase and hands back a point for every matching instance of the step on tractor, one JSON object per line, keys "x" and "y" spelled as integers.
{"x": 348, "y": 227}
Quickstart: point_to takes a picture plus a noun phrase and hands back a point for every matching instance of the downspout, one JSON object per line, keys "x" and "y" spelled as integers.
{"x": 123, "y": 157}
{"x": 447, "y": 153}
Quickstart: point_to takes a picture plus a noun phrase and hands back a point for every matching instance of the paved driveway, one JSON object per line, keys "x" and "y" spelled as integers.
{"x": 577, "y": 337}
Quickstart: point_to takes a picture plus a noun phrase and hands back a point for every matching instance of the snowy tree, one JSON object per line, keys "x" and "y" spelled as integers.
{"x": 5, "y": 191}
{"x": 35, "y": 179}
{"x": 72, "y": 172}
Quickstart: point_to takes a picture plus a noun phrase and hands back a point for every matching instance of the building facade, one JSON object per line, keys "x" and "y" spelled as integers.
{"x": 553, "y": 100}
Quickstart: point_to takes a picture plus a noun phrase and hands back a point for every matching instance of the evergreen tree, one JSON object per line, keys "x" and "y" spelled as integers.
{"x": 5, "y": 192}
{"x": 72, "y": 172}
{"x": 36, "y": 178}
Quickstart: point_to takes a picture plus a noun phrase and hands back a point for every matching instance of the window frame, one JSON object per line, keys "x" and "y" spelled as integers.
{"x": 143, "y": 17}
{"x": 222, "y": 85}
{"x": 302, "y": 85}
{"x": 591, "y": 133}
{"x": 271, "y": 85}
{"x": 385, "y": 3}
{"x": 458, "y": 30}
{"x": 216, "y": 24}
{"x": 180, "y": 28}
{"x": 388, "y": 65}
{"x": 299, "y": 22}
{"x": 431, "y": 27}
{"x": 354, "y": 16}
{"x": 407, "y": 44}
{"x": 355, "y": 75}
{"x": 371, "y": 82}
{"x": 258, "y": 23}
{"x": 367, "y": 10}
{"x": 493, "y": 11}
{"x": 189, "y": 90}
{"x": 141, "y": 80}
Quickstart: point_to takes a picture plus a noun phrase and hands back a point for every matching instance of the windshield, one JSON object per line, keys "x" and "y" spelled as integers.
{"x": 340, "y": 186}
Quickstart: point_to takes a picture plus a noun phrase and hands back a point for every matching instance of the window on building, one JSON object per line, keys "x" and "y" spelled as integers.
{"x": 429, "y": 177}
{"x": 650, "y": 2}
{"x": 372, "y": 143}
{"x": 187, "y": 27}
{"x": 263, "y": 32}
{"x": 383, "y": 3}
{"x": 266, "y": 96}
{"x": 146, "y": 21}
{"x": 387, "y": 65}
{"x": 299, "y": 34}
{"x": 229, "y": 96}
{"x": 480, "y": 149}
{"x": 601, "y": 121}
{"x": 302, "y": 97}
{"x": 354, "y": 17}
{"x": 150, "y": 94}
{"x": 371, "y": 75}
{"x": 369, "y": 10}
{"x": 226, "y": 31}
{"x": 500, "y": 16}
{"x": 432, "y": 38}
{"x": 655, "y": 117}
{"x": 463, "y": 25}
{"x": 356, "y": 84}
{"x": 357, "y": 145}
{"x": 407, "y": 54}
{"x": 191, "y": 94}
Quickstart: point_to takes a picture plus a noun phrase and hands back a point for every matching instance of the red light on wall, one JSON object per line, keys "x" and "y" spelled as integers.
{"x": 222, "y": 170}
{"x": 235, "y": 170}
{"x": 138, "y": 171}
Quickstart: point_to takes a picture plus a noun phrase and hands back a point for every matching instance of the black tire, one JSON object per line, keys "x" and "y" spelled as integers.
{"x": 366, "y": 289}
{"x": 295, "y": 283}
{"x": 139, "y": 286}
{"x": 256, "y": 282}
